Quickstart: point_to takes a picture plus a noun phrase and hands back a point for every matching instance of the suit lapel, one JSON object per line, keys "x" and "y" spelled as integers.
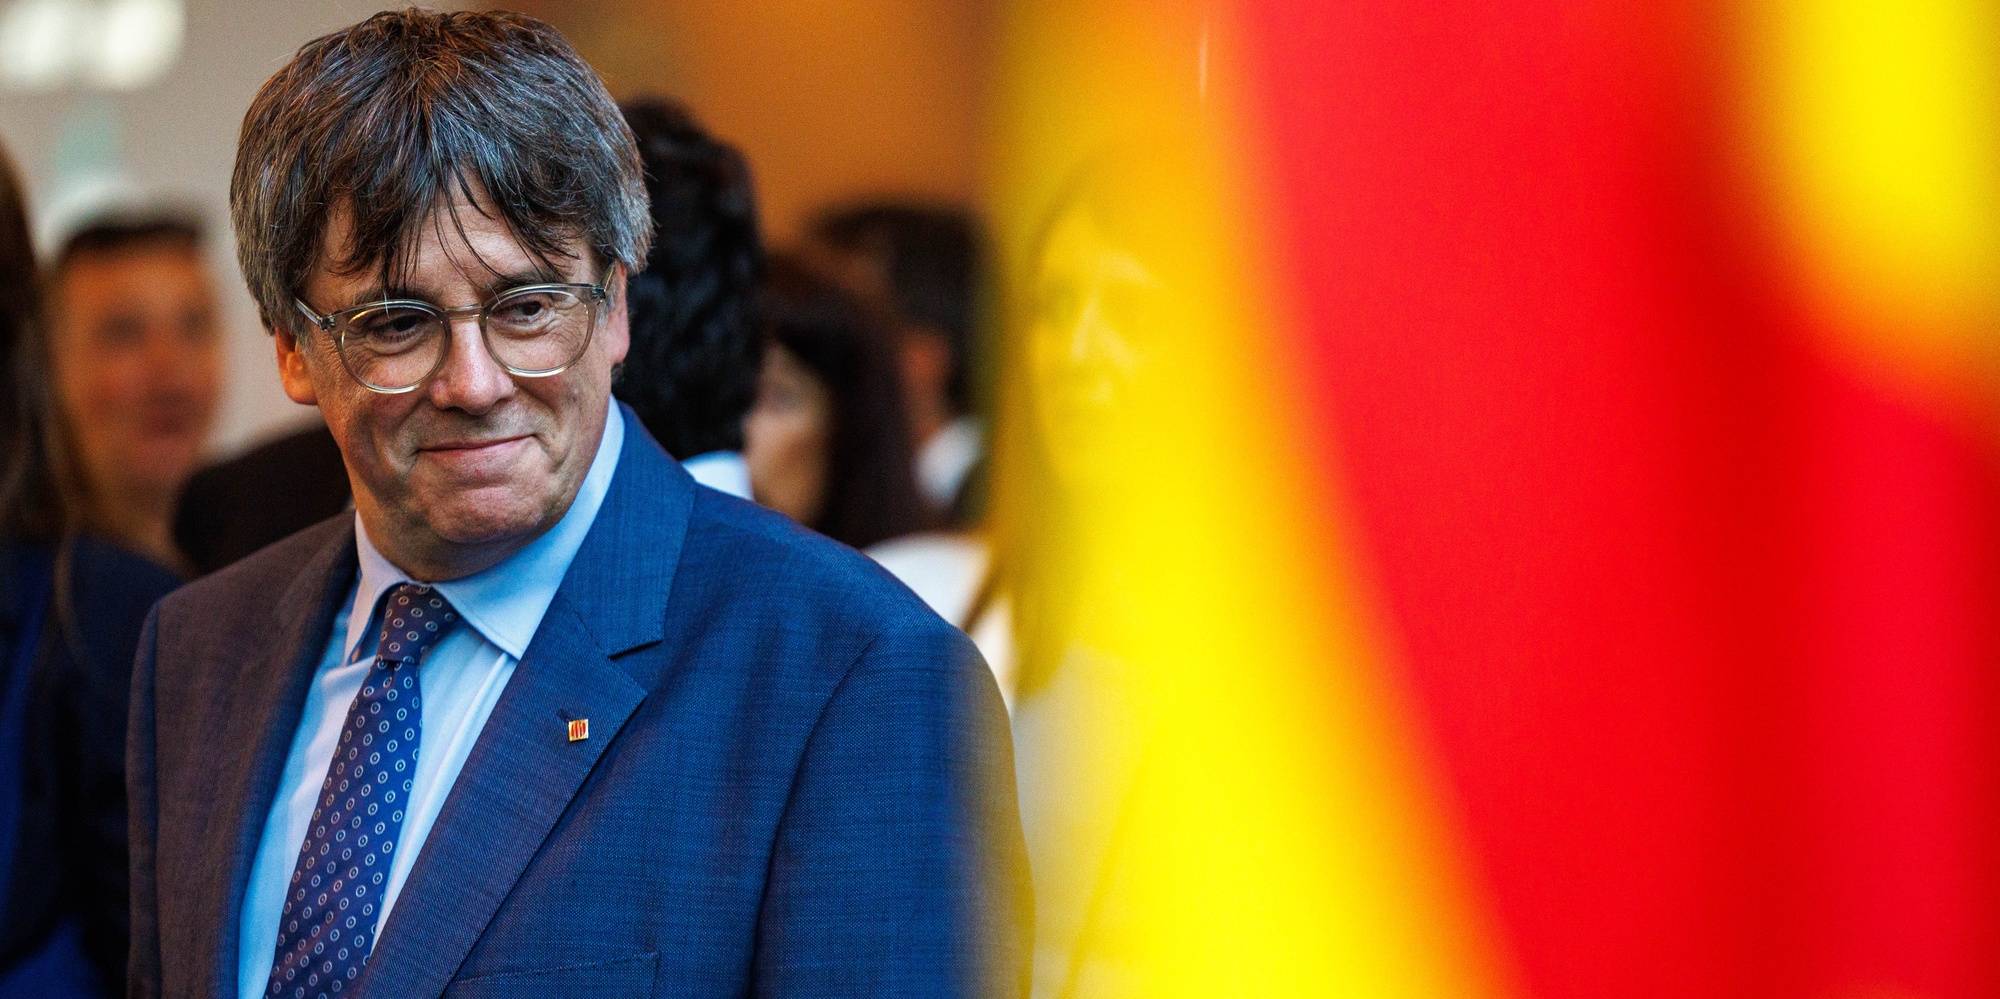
{"x": 524, "y": 771}
{"x": 265, "y": 698}
{"x": 520, "y": 777}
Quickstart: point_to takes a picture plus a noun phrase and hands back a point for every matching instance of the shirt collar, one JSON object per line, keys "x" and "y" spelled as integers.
{"x": 505, "y": 602}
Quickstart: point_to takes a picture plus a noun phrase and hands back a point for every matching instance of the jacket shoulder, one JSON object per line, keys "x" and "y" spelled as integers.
{"x": 738, "y": 543}
{"x": 756, "y": 573}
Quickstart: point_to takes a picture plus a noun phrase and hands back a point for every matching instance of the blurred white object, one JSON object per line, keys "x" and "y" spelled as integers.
{"x": 723, "y": 470}
{"x": 102, "y": 44}
{"x": 946, "y": 570}
{"x": 946, "y": 458}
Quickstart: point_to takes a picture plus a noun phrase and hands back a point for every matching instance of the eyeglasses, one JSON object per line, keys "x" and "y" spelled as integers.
{"x": 394, "y": 346}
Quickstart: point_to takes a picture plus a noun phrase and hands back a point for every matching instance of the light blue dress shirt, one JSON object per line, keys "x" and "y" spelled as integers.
{"x": 462, "y": 678}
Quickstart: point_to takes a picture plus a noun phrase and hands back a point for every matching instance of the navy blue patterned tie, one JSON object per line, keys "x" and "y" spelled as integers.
{"x": 328, "y": 928}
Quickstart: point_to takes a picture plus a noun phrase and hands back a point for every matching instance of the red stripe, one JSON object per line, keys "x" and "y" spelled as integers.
{"x": 1699, "y": 616}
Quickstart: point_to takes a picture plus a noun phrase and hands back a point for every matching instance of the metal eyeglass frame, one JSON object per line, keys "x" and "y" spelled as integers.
{"x": 334, "y": 323}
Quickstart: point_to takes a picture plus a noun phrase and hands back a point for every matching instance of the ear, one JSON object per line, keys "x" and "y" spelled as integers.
{"x": 292, "y": 369}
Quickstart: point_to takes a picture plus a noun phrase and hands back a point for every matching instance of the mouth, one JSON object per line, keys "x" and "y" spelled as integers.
{"x": 476, "y": 459}
{"x": 473, "y": 445}
{"x": 170, "y": 424}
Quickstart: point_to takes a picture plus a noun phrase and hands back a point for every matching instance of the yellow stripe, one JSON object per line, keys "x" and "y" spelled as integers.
{"x": 1237, "y": 782}
{"x": 1871, "y": 125}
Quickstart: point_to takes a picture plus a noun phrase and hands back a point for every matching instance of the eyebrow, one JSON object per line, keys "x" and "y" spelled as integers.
{"x": 493, "y": 286}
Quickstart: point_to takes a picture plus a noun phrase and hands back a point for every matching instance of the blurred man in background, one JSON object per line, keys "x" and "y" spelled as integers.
{"x": 138, "y": 371}
{"x": 925, "y": 264}
{"x": 691, "y": 373}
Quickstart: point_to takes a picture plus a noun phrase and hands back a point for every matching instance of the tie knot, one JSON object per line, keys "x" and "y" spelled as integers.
{"x": 414, "y": 617}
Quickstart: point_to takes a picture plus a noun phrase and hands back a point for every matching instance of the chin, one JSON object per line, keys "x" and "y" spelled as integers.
{"x": 487, "y": 516}
{"x": 157, "y": 479}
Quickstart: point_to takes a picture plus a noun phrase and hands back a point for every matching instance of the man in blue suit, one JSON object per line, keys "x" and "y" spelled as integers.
{"x": 542, "y": 716}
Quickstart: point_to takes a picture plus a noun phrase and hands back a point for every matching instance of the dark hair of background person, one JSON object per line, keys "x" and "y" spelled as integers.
{"x": 31, "y": 498}
{"x": 930, "y": 259}
{"x": 871, "y": 488}
{"x": 118, "y": 232}
{"x": 389, "y": 119}
{"x": 71, "y": 609}
{"x": 691, "y": 371}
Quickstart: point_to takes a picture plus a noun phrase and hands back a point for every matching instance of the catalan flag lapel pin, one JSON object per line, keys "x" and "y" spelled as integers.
{"x": 579, "y": 729}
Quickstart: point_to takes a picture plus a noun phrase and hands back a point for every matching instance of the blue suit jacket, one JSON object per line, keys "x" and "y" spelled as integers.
{"x": 797, "y": 779}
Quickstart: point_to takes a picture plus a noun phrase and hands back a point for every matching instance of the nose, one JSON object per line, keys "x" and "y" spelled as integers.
{"x": 1095, "y": 341}
{"x": 176, "y": 372}
{"x": 470, "y": 380}
{"x": 1081, "y": 345}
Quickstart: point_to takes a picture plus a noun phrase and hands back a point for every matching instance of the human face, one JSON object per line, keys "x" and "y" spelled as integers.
{"x": 785, "y": 437}
{"x": 138, "y": 368}
{"x": 1094, "y": 302}
{"x": 453, "y": 477}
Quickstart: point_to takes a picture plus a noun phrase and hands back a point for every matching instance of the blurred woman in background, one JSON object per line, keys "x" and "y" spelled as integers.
{"x": 71, "y": 608}
{"x": 826, "y": 441}
{"x": 1090, "y": 396}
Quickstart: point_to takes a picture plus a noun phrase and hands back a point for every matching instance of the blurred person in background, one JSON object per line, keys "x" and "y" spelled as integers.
{"x": 825, "y": 440}
{"x": 691, "y": 372}
{"x": 71, "y": 608}
{"x": 926, "y": 265}
{"x": 1085, "y": 382}
{"x": 137, "y": 366}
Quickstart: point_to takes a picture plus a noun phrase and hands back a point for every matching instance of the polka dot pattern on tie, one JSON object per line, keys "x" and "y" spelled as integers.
{"x": 328, "y": 927}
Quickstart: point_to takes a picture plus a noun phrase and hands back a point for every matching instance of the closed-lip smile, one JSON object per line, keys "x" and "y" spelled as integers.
{"x": 472, "y": 445}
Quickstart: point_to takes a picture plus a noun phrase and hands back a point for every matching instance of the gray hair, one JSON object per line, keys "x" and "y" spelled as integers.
{"x": 392, "y": 116}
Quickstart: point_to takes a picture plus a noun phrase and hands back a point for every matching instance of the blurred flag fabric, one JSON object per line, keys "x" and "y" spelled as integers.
{"x": 1501, "y": 499}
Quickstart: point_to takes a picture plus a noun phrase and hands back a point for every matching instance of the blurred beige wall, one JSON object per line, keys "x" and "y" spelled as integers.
{"x": 827, "y": 99}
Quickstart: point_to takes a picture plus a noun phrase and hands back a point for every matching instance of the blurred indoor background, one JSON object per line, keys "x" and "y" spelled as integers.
{"x": 111, "y": 104}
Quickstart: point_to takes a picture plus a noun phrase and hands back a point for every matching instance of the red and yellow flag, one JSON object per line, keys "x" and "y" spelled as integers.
{"x": 1501, "y": 500}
